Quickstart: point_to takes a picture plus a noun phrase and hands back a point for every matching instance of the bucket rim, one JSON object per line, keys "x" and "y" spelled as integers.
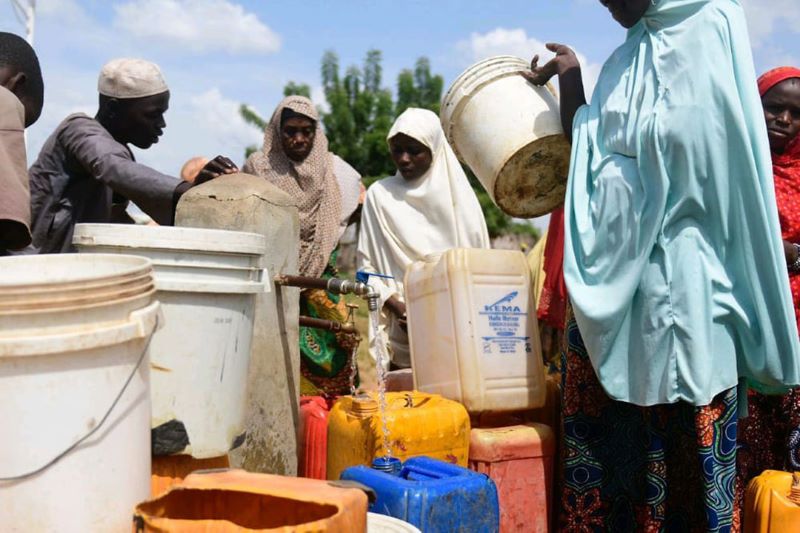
{"x": 10, "y": 292}
{"x": 150, "y": 293}
{"x": 128, "y": 266}
{"x": 169, "y": 238}
{"x": 480, "y": 73}
{"x": 50, "y": 301}
{"x": 470, "y": 81}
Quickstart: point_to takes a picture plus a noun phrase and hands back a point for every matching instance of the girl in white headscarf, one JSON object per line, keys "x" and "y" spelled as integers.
{"x": 427, "y": 207}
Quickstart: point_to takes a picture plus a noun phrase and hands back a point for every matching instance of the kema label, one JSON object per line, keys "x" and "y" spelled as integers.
{"x": 502, "y": 326}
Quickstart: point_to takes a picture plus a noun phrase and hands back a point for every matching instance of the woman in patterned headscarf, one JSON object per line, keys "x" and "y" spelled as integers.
{"x": 296, "y": 159}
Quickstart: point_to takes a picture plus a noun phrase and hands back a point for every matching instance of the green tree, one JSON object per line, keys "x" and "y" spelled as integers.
{"x": 360, "y": 113}
{"x": 419, "y": 88}
{"x": 299, "y": 89}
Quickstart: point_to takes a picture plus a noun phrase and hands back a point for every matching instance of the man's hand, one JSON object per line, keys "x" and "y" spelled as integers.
{"x": 216, "y": 167}
{"x": 396, "y": 306}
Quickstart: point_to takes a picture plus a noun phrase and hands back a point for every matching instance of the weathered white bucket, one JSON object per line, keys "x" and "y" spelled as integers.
{"x": 378, "y": 523}
{"x": 74, "y": 393}
{"x": 509, "y": 133}
{"x": 207, "y": 281}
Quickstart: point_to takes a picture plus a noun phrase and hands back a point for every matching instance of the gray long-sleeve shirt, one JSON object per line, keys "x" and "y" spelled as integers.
{"x": 83, "y": 175}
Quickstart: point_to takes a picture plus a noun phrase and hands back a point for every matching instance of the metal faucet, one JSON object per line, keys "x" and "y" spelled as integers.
{"x": 360, "y": 287}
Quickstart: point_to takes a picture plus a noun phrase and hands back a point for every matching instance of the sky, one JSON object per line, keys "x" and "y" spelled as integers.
{"x": 217, "y": 54}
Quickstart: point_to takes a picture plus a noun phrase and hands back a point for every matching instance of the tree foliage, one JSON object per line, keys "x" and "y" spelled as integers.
{"x": 419, "y": 88}
{"x": 361, "y": 111}
{"x": 299, "y": 89}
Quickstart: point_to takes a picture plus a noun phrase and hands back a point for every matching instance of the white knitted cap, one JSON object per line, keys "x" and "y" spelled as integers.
{"x": 130, "y": 78}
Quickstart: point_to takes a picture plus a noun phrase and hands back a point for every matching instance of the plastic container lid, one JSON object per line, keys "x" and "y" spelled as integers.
{"x": 169, "y": 238}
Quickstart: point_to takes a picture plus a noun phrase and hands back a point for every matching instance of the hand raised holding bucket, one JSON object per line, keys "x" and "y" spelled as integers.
{"x": 518, "y": 152}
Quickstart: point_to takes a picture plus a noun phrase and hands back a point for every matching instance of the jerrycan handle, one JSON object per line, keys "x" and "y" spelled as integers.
{"x": 409, "y": 400}
{"x": 417, "y": 473}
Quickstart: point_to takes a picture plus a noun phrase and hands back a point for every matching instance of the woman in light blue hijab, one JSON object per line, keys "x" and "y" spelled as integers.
{"x": 674, "y": 267}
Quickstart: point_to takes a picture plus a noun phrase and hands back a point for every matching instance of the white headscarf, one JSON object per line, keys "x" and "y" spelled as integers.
{"x": 404, "y": 221}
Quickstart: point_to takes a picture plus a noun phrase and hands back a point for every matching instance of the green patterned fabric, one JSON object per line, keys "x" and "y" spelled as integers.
{"x": 325, "y": 356}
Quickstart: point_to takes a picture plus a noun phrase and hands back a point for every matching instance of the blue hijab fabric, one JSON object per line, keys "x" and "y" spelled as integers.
{"x": 673, "y": 252}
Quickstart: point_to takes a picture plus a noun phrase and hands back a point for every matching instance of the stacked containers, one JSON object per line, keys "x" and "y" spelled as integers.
{"x": 418, "y": 424}
{"x": 313, "y": 454}
{"x": 207, "y": 281}
{"x": 75, "y": 390}
{"x": 432, "y": 495}
{"x": 474, "y": 339}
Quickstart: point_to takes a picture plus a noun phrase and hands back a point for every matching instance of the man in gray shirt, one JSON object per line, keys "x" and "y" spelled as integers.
{"x": 86, "y": 172}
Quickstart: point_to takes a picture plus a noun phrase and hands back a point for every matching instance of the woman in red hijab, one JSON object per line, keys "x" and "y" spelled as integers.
{"x": 769, "y": 438}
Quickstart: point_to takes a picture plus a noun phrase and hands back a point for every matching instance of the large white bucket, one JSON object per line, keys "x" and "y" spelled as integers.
{"x": 74, "y": 391}
{"x": 206, "y": 281}
{"x": 509, "y": 133}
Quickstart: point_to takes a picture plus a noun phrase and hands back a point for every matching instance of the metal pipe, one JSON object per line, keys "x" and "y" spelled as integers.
{"x": 329, "y": 325}
{"x": 334, "y": 285}
{"x": 304, "y": 282}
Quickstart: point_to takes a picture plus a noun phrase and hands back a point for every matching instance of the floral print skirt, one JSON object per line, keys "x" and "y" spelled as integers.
{"x": 630, "y": 468}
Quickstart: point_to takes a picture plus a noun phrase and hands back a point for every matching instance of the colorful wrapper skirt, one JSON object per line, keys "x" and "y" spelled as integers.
{"x": 630, "y": 468}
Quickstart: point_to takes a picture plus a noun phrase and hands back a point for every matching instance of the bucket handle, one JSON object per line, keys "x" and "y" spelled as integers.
{"x": 103, "y": 420}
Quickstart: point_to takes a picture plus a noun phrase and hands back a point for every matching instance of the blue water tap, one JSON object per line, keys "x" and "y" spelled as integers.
{"x": 363, "y": 277}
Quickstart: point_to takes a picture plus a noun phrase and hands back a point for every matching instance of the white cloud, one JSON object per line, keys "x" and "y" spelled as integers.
{"x": 197, "y": 25}
{"x": 206, "y": 124}
{"x": 516, "y": 42}
{"x": 318, "y": 97}
{"x": 66, "y": 10}
{"x": 764, "y": 17}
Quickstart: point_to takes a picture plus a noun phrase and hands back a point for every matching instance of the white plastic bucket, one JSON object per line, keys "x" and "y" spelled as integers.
{"x": 74, "y": 393}
{"x": 378, "y": 523}
{"x": 207, "y": 281}
{"x": 509, "y": 133}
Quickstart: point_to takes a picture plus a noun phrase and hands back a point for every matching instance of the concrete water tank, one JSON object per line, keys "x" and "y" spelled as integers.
{"x": 243, "y": 202}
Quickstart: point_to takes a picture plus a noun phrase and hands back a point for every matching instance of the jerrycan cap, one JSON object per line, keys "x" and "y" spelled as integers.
{"x": 363, "y": 405}
{"x": 390, "y": 465}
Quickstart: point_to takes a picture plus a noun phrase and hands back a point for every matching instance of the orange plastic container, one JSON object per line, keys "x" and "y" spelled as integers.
{"x": 418, "y": 423}
{"x": 314, "y": 437}
{"x": 235, "y": 500}
{"x": 519, "y": 459}
{"x": 169, "y": 470}
{"x": 767, "y": 508}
